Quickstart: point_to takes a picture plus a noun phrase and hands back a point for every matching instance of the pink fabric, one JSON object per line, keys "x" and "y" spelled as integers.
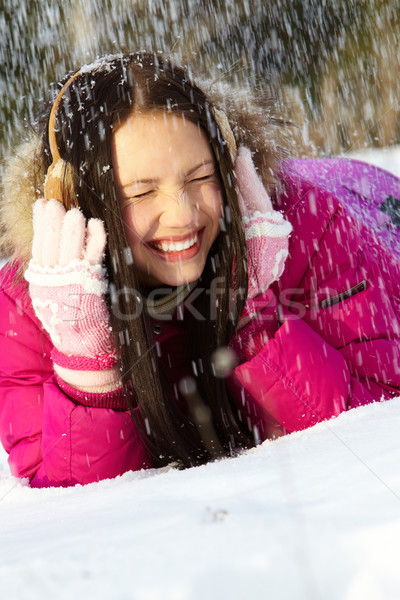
{"x": 323, "y": 359}
{"x": 52, "y": 438}
{"x": 77, "y": 321}
{"x": 319, "y": 362}
{"x": 82, "y": 445}
{"x": 84, "y": 363}
{"x": 267, "y": 232}
{"x": 67, "y": 286}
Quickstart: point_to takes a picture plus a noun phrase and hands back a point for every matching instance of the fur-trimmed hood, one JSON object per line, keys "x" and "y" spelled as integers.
{"x": 252, "y": 121}
{"x": 22, "y": 184}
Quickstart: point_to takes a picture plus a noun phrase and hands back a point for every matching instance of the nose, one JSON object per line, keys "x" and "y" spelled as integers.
{"x": 177, "y": 209}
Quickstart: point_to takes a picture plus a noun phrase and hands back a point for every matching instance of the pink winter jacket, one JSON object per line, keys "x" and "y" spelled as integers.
{"x": 338, "y": 347}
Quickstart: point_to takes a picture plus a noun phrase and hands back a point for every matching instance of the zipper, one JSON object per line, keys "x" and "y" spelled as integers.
{"x": 360, "y": 287}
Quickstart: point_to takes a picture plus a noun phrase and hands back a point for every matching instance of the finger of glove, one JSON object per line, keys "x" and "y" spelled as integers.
{"x": 53, "y": 217}
{"x": 72, "y": 236}
{"x": 38, "y": 230}
{"x": 252, "y": 191}
{"x": 95, "y": 241}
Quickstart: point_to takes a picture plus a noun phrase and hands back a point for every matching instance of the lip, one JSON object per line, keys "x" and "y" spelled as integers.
{"x": 175, "y": 238}
{"x": 180, "y": 255}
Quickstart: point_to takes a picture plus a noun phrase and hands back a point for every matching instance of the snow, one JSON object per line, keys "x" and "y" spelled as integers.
{"x": 386, "y": 158}
{"x": 312, "y": 515}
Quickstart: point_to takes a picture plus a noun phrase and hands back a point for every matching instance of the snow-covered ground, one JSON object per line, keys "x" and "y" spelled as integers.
{"x": 313, "y": 515}
{"x": 386, "y": 158}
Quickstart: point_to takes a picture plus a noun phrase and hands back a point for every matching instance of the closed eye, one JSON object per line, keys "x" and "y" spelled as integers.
{"x": 203, "y": 178}
{"x": 143, "y": 195}
{"x": 125, "y": 201}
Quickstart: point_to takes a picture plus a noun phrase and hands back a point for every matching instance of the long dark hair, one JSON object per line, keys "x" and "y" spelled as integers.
{"x": 96, "y": 101}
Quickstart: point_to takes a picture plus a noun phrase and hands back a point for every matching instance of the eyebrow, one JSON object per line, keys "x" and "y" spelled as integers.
{"x": 138, "y": 182}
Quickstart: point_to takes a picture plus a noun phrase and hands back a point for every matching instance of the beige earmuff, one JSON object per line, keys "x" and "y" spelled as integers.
{"x": 227, "y": 133}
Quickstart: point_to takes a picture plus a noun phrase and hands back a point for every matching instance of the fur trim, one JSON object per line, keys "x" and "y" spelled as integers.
{"x": 256, "y": 124}
{"x": 21, "y": 186}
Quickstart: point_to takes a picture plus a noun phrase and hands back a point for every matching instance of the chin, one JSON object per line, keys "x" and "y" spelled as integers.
{"x": 176, "y": 279}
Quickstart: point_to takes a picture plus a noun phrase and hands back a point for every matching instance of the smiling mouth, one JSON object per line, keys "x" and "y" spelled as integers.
{"x": 174, "y": 246}
{"x": 178, "y": 251}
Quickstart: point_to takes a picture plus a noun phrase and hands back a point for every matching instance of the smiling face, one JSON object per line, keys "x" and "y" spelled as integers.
{"x": 170, "y": 196}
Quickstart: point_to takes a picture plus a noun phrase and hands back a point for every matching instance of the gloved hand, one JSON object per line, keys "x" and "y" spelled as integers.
{"x": 67, "y": 285}
{"x": 267, "y": 239}
{"x": 267, "y": 232}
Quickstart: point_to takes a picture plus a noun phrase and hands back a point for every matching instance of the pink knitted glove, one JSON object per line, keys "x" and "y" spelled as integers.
{"x": 267, "y": 232}
{"x": 67, "y": 286}
{"x": 267, "y": 237}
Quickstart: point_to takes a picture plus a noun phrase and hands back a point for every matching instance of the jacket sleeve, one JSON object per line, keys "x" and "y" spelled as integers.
{"x": 52, "y": 437}
{"x": 338, "y": 346}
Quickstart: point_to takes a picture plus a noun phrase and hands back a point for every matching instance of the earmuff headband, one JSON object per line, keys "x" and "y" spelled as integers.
{"x": 59, "y": 169}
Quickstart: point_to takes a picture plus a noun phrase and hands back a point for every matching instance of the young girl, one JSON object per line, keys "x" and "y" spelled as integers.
{"x": 170, "y": 300}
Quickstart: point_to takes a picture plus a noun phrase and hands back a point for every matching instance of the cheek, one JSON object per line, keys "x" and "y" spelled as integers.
{"x": 137, "y": 223}
{"x": 219, "y": 204}
{"x": 212, "y": 201}
{"x": 217, "y": 207}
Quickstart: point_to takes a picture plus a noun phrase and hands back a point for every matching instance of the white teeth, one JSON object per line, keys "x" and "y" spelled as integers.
{"x": 177, "y": 246}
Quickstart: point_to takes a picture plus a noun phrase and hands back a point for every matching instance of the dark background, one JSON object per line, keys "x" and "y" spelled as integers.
{"x": 334, "y": 66}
